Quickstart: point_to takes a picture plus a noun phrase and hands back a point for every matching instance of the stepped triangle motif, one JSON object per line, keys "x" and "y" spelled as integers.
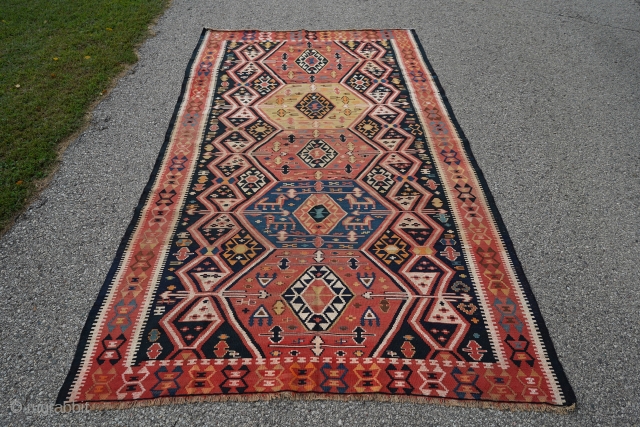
{"x": 315, "y": 228}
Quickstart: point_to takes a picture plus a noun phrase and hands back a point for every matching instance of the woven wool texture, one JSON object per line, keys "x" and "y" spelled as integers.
{"x": 315, "y": 227}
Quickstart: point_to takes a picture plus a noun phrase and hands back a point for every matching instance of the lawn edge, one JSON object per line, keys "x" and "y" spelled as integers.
{"x": 42, "y": 184}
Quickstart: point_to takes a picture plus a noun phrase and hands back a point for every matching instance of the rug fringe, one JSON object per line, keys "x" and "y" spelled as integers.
{"x": 538, "y": 407}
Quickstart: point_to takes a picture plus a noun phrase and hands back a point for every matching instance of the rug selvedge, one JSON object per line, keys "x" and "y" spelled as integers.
{"x": 315, "y": 225}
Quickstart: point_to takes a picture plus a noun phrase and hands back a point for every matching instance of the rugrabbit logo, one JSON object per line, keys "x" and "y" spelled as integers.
{"x": 18, "y": 407}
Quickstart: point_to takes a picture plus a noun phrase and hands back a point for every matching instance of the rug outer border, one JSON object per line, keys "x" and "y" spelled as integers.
{"x": 543, "y": 331}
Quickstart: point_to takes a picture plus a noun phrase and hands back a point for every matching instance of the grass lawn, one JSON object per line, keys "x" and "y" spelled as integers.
{"x": 56, "y": 58}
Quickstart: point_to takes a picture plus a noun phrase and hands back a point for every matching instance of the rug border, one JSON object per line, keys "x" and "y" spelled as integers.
{"x": 544, "y": 332}
{"x": 561, "y": 376}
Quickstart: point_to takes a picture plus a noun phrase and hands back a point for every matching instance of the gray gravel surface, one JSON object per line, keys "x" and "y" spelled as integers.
{"x": 548, "y": 95}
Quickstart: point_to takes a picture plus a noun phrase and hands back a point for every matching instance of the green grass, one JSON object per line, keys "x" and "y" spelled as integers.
{"x": 56, "y": 59}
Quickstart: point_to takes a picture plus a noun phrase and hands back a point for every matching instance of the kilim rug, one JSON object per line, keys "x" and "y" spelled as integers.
{"x": 315, "y": 227}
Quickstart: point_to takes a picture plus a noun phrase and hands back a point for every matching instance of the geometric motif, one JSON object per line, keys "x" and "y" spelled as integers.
{"x": 315, "y": 225}
{"x": 251, "y": 181}
{"x": 318, "y": 297}
{"x": 391, "y": 249}
{"x": 260, "y": 130}
{"x": 264, "y": 84}
{"x": 368, "y": 128}
{"x": 380, "y": 179}
{"x": 319, "y": 214}
{"x": 241, "y": 249}
{"x": 359, "y": 82}
{"x": 317, "y": 154}
{"x": 311, "y": 61}
{"x": 314, "y": 105}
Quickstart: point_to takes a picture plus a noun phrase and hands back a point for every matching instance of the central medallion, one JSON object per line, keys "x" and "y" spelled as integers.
{"x": 319, "y": 214}
{"x": 314, "y": 105}
{"x": 316, "y": 214}
{"x": 318, "y": 297}
{"x": 302, "y": 106}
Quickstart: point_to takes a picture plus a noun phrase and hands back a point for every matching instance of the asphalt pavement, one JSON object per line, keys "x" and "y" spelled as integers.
{"x": 548, "y": 93}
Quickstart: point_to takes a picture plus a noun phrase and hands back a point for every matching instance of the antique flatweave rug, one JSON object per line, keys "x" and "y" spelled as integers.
{"x": 315, "y": 227}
